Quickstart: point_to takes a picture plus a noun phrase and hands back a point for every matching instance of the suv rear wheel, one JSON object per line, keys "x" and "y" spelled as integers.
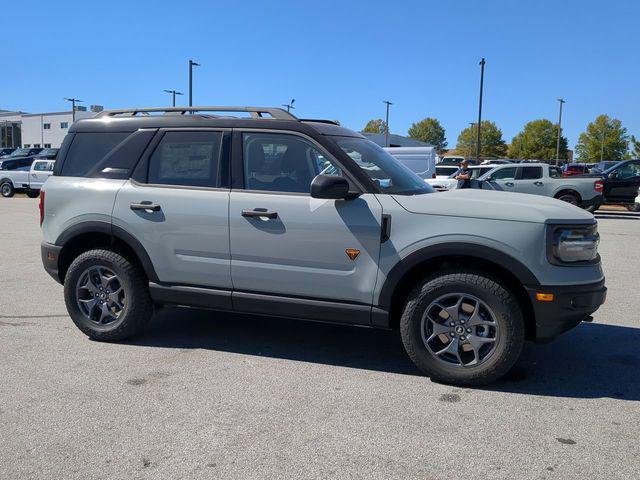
{"x": 462, "y": 328}
{"x": 107, "y": 296}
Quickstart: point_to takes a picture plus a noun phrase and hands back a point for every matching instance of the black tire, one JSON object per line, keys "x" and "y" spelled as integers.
{"x": 508, "y": 318}
{"x": 571, "y": 198}
{"x": 592, "y": 208}
{"x": 137, "y": 310}
{"x": 33, "y": 193}
{"x": 7, "y": 190}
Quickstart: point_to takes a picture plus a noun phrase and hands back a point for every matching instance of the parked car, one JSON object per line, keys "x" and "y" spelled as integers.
{"x": 21, "y": 155}
{"x": 544, "y": 179}
{"x": 620, "y": 183}
{"x": 451, "y": 160}
{"x": 170, "y": 213}
{"x": 445, "y": 171}
{"x": 28, "y": 179}
{"x": 571, "y": 169}
{"x": 602, "y": 166}
{"x": 4, "y": 152}
{"x": 420, "y": 160}
{"x": 496, "y": 161}
{"x": 47, "y": 154}
{"x": 450, "y": 183}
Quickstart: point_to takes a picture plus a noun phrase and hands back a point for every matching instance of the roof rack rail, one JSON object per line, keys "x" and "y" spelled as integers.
{"x": 256, "y": 112}
{"x": 318, "y": 120}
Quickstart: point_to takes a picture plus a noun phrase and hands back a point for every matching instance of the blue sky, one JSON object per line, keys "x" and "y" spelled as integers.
{"x": 338, "y": 59}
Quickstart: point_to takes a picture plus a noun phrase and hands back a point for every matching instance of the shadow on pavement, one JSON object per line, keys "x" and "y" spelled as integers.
{"x": 591, "y": 361}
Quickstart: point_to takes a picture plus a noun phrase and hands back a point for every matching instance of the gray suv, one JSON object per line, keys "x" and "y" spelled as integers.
{"x": 254, "y": 210}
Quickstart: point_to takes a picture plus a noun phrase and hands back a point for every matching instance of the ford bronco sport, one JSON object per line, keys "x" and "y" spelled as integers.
{"x": 254, "y": 210}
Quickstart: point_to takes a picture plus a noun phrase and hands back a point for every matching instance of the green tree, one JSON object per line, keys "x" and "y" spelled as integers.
{"x": 375, "y": 126}
{"x": 491, "y": 143}
{"x": 430, "y": 131}
{"x": 538, "y": 140}
{"x": 604, "y": 138}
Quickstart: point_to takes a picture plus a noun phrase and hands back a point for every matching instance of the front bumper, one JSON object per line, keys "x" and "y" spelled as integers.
{"x": 571, "y": 305}
{"x": 50, "y": 254}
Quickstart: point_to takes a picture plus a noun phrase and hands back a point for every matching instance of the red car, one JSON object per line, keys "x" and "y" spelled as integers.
{"x": 571, "y": 169}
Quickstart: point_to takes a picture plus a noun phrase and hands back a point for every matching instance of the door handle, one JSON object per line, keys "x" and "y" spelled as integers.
{"x": 538, "y": 183}
{"x": 509, "y": 184}
{"x": 259, "y": 212}
{"x": 146, "y": 206}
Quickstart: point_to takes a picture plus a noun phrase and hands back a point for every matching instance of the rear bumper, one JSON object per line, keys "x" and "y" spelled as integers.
{"x": 570, "y": 306}
{"x": 50, "y": 254}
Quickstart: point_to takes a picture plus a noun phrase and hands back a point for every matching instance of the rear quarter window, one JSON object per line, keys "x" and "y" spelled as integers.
{"x": 87, "y": 150}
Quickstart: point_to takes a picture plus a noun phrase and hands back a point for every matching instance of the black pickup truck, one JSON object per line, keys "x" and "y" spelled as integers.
{"x": 620, "y": 183}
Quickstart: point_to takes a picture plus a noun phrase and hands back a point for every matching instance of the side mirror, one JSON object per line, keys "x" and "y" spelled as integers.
{"x": 614, "y": 175}
{"x": 330, "y": 187}
{"x": 488, "y": 179}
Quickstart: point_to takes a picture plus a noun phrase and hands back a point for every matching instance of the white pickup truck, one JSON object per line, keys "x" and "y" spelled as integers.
{"x": 26, "y": 179}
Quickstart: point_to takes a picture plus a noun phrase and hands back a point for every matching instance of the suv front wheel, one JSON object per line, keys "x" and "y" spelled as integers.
{"x": 107, "y": 296}
{"x": 462, "y": 328}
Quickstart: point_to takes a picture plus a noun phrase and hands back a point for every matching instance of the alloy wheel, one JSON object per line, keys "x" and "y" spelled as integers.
{"x": 100, "y": 295}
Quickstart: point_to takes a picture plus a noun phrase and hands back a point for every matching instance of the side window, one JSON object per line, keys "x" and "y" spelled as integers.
{"x": 629, "y": 170}
{"x": 40, "y": 166}
{"x": 504, "y": 174}
{"x": 86, "y": 150}
{"x": 531, "y": 173}
{"x": 282, "y": 163}
{"x": 555, "y": 172}
{"x": 186, "y": 158}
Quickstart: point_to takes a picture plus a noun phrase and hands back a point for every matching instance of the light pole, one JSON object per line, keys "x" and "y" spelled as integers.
{"x": 386, "y": 122}
{"x": 173, "y": 95}
{"x": 559, "y": 131}
{"x": 191, "y": 65}
{"x": 73, "y": 107}
{"x": 482, "y": 62}
{"x": 289, "y": 106}
{"x": 471, "y": 143}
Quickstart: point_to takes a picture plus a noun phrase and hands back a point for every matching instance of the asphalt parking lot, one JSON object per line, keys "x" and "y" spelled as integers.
{"x": 206, "y": 395}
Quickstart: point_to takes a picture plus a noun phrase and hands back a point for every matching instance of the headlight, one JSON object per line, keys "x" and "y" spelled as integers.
{"x": 573, "y": 244}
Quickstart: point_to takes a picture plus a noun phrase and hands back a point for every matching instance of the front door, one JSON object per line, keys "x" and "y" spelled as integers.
{"x": 180, "y": 212}
{"x": 622, "y": 184}
{"x": 502, "y": 179}
{"x": 285, "y": 243}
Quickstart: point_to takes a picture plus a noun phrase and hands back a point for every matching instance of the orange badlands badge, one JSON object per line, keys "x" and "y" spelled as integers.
{"x": 352, "y": 253}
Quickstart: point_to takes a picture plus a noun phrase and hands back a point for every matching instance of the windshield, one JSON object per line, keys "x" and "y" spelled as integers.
{"x": 387, "y": 172}
{"x": 48, "y": 152}
{"x": 21, "y": 152}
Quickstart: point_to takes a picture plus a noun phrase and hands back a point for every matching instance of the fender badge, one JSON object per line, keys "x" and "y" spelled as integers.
{"x": 352, "y": 253}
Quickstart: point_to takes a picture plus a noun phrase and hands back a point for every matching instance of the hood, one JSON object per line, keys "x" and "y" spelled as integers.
{"x": 519, "y": 207}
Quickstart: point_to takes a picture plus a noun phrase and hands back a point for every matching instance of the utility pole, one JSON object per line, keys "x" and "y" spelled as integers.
{"x": 482, "y": 62}
{"x": 386, "y": 133}
{"x": 191, "y": 65}
{"x": 289, "y": 106}
{"x": 173, "y": 94}
{"x": 559, "y": 131}
{"x": 73, "y": 107}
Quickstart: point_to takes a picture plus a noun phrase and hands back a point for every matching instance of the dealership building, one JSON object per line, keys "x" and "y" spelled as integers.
{"x": 45, "y": 130}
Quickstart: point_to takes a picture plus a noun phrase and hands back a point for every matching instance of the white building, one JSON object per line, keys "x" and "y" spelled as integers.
{"x": 46, "y": 130}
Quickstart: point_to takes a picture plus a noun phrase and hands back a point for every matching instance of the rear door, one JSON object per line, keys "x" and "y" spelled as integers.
{"x": 622, "y": 184}
{"x": 502, "y": 179}
{"x": 40, "y": 171}
{"x": 178, "y": 210}
{"x": 530, "y": 180}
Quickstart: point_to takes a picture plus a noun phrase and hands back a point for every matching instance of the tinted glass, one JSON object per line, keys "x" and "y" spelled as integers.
{"x": 282, "y": 163}
{"x": 628, "y": 170}
{"x": 41, "y": 166}
{"x": 531, "y": 173}
{"x": 504, "y": 174}
{"x": 186, "y": 158}
{"x": 87, "y": 149}
{"x": 390, "y": 175}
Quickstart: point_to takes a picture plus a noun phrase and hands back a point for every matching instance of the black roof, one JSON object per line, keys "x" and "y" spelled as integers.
{"x": 129, "y": 120}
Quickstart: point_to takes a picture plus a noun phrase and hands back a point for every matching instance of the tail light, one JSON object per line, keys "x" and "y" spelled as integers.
{"x": 41, "y": 207}
{"x": 598, "y": 185}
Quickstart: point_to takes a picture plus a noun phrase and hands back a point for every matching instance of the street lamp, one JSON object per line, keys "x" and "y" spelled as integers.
{"x": 386, "y": 122}
{"x": 73, "y": 107}
{"x": 471, "y": 124}
{"x": 191, "y": 65}
{"x": 289, "y": 106}
{"x": 173, "y": 95}
{"x": 559, "y": 131}
{"x": 482, "y": 62}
